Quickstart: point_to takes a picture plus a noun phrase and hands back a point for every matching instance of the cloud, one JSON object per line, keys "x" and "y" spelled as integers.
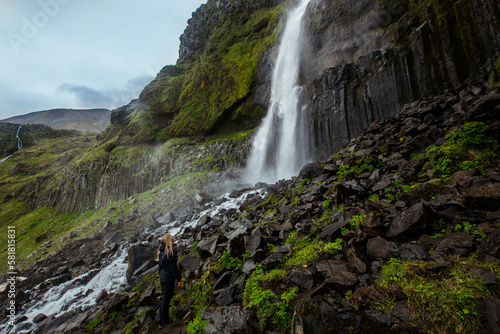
{"x": 87, "y": 97}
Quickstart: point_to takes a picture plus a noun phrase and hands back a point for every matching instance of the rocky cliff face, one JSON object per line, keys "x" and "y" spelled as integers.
{"x": 366, "y": 68}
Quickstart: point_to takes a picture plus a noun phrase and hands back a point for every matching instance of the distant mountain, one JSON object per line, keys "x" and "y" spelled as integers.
{"x": 92, "y": 120}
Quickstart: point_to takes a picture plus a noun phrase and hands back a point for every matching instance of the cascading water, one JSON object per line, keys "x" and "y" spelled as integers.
{"x": 278, "y": 149}
{"x": 19, "y": 142}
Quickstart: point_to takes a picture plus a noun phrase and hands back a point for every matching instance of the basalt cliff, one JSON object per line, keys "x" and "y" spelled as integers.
{"x": 392, "y": 228}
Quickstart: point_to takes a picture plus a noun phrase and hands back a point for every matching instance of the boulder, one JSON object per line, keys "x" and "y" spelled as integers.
{"x": 190, "y": 263}
{"x": 207, "y": 247}
{"x": 228, "y": 319}
{"x": 272, "y": 261}
{"x": 325, "y": 314}
{"x": 414, "y": 220}
{"x": 39, "y": 318}
{"x": 303, "y": 278}
{"x": 455, "y": 245}
{"x": 202, "y": 198}
{"x": 357, "y": 261}
{"x": 412, "y": 252}
{"x": 329, "y": 268}
{"x": 310, "y": 171}
{"x": 380, "y": 248}
{"x": 254, "y": 243}
{"x": 137, "y": 255}
{"x": 484, "y": 197}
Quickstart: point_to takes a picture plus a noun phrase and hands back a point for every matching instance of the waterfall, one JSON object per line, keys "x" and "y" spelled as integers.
{"x": 278, "y": 149}
{"x": 19, "y": 142}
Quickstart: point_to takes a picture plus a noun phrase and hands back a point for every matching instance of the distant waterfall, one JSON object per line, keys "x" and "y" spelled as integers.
{"x": 19, "y": 142}
{"x": 278, "y": 149}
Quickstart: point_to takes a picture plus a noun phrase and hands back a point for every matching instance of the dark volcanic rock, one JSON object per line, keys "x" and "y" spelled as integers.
{"x": 380, "y": 248}
{"x": 230, "y": 319}
{"x": 325, "y": 315}
{"x": 137, "y": 255}
{"x": 414, "y": 220}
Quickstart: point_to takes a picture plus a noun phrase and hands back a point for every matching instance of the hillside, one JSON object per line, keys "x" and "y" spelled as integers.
{"x": 392, "y": 228}
{"x": 87, "y": 120}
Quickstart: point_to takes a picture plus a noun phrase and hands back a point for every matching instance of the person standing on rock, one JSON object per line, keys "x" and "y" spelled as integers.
{"x": 169, "y": 273}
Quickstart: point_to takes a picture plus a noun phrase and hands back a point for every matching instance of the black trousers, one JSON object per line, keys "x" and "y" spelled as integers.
{"x": 167, "y": 292}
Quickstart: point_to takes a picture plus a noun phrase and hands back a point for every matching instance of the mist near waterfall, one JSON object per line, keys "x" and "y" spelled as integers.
{"x": 278, "y": 148}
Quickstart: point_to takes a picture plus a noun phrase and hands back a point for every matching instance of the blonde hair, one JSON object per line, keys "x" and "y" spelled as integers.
{"x": 166, "y": 240}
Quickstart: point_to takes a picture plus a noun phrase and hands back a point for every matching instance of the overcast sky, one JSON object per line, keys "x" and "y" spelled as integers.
{"x": 84, "y": 53}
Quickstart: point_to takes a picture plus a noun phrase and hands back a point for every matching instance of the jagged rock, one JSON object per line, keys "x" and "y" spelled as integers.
{"x": 491, "y": 315}
{"x": 272, "y": 261}
{"x": 456, "y": 245}
{"x": 147, "y": 297}
{"x": 310, "y": 171}
{"x": 248, "y": 267}
{"x": 412, "y": 252}
{"x": 401, "y": 312}
{"x": 413, "y": 220}
{"x": 484, "y": 197}
{"x": 325, "y": 315}
{"x": 50, "y": 326}
{"x": 225, "y": 297}
{"x": 356, "y": 261}
{"x": 137, "y": 255}
{"x": 342, "y": 281}
{"x": 202, "y": 198}
{"x": 229, "y": 319}
{"x": 380, "y": 248}
{"x": 253, "y": 243}
{"x": 332, "y": 231}
{"x": 491, "y": 245}
{"x": 207, "y": 247}
{"x": 190, "y": 264}
{"x": 365, "y": 295}
{"x": 462, "y": 178}
{"x": 101, "y": 296}
{"x": 303, "y": 278}
{"x": 330, "y": 268}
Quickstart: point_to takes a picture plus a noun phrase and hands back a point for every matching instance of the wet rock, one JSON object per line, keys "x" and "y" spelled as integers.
{"x": 229, "y": 319}
{"x": 202, "y": 198}
{"x": 101, "y": 296}
{"x": 380, "y": 248}
{"x": 203, "y": 221}
{"x": 39, "y": 318}
{"x": 303, "y": 278}
{"x": 414, "y": 220}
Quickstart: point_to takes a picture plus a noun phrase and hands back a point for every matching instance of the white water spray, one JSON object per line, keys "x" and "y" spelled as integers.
{"x": 278, "y": 149}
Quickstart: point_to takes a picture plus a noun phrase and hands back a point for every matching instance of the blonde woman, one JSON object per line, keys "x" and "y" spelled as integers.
{"x": 167, "y": 261}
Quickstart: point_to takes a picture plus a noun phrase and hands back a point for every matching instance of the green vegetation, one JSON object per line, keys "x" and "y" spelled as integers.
{"x": 446, "y": 302}
{"x": 307, "y": 251}
{"x": 356, "y": 221}
{"x": 94, "y": 323}
{"x": 226, "y": 261}
{"x": 368, "y": 165}
{"x": 467, "y": 148}
{"x": 265, "y": 301}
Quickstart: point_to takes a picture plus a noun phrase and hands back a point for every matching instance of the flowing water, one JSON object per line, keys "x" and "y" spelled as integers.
{"x": 278, "y": 149}
{"x": 19, "y": 142}
{"x": 75, "y": 294}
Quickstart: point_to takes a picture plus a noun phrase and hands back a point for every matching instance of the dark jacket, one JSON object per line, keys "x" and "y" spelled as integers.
{"x": 168, "y": 266}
